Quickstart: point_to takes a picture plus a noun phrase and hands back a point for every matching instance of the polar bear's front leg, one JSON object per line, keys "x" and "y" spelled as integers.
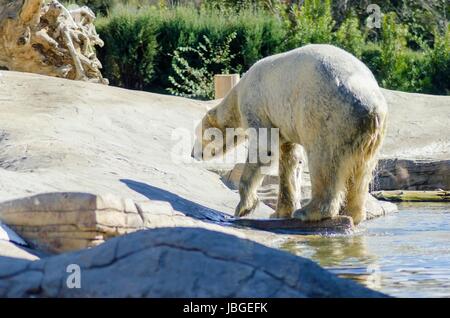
{"x": 251, "y": 179}
{"x": 290, "y": 177}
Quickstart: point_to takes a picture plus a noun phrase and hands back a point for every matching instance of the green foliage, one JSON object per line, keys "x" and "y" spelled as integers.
{"x": 371, "y": 56}
{"x": 393, "y": 43}
{"x": 129, "y": 51}
{"x": 196, "y": 81}
{"x": 438, "y": 62}
{"x": 350, "y": 37}
{"x": 238, "y": 5}
{"x": 257, "y": 34}
{"x": 311, "y": 22}
{"x": 150, "y": 47}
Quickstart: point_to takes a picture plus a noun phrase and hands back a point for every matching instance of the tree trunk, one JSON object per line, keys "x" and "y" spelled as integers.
{"x": 48, "y": 39}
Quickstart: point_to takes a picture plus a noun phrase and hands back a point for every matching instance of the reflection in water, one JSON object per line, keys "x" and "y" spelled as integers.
{"x": 344, "y": 255}
{"x": 406, "y": 254}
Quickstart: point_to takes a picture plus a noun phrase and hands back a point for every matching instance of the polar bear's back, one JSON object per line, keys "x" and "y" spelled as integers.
{"x": 316, "y": 82}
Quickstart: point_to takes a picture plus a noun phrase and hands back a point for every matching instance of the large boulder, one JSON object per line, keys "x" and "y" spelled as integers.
{"x": 182, "y": 262}
{"x": 67, "y": 221}
{"x": 413, "y": 174}
{"x": 416, "y": 151}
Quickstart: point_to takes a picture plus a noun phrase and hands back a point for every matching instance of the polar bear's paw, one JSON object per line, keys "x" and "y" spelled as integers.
{"x": 308, "y": 215}
{"x": 246, "y": 208}
{"x": 281, "y": 215}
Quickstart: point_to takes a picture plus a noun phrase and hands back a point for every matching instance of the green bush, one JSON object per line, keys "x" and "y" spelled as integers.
{"x": 438, "y": 60}
{"x": 129, "y": 51}
{"x": 393, "y": 43}
{"x": 258, "y": 34}
{"x": 140, "y": 44}
{"x": 371, "y": 56}
{"x": 195, "y": 81}
{"x": 312, "y": 22}
{"x": 350, "y": 37}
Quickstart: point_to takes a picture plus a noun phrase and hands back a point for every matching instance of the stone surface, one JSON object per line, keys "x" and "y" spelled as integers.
{"x": 59, "y": 135}
{"x": 340, "y": 224}
{"x": 58, "y": 222}
{"x": 417, "y": 126}
{"x": 6, "y": 234}
{"x": 101, "y": 139}
{"x": 176, "y": 263}
{"x": 9, "y": 249}
{"x": 62, "y": 221}
{"x": 46, "y": 38}
{"x": 376, "y": 208}
{"x": 70, "y": 139}
{"x": 415, "y": 174}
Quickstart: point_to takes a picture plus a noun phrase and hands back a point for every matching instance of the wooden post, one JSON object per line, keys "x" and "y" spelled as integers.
{"x": 223, "y": 83}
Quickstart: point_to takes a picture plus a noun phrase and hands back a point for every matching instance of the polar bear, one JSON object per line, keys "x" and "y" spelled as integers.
{"x": 324, "y": 99}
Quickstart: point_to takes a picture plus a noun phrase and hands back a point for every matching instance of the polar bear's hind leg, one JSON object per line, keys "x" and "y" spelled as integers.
{"x": 361, "y": 175}
{"x": 328, "y": 169}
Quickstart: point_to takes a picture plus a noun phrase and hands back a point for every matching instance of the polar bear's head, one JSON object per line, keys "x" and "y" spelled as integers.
{"x": 209, "y": 137}
{"x": 220, "y": 129}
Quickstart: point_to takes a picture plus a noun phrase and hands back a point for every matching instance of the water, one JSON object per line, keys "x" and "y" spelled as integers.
{"x": 406, "y": 254}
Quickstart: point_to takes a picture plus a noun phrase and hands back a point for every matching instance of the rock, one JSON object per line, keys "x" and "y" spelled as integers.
{"x": 67, "y": 141}
{"x": 6, "y": 234}
{"x": 65, "y": 221}
{"x": 58, "y": 222}
{"x": 80, "y": 143}
{"x": 9, "y": 249}
{"x": 414, "y": 174}
{"x": 417, "y": 126}
{"x": 340, "y": 224}
{"x": 376, "y": 208}
{"x": 181, "y": 262}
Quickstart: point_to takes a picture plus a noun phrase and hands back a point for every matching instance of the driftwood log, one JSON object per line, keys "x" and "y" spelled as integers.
{"x": 413, "y": 196}
{"x": 49, "y": 39}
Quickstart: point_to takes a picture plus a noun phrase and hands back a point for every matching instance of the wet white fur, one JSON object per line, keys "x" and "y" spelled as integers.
{"x": 324, "y": 99}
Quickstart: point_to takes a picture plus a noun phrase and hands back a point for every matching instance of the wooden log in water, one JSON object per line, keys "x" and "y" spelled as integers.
{"x": 340, "y": 224}
{"x": 413, "y": 196}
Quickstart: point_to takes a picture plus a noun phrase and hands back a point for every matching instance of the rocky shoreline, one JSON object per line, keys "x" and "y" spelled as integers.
{"x": 92, "y": 181}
